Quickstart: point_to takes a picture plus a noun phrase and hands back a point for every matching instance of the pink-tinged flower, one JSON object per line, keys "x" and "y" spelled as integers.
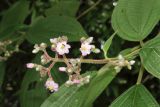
{"x": 62, "y": 69}
{"x": 62, "y": 48}
{"x": 51, "y": 85}
{"x": 85, "y": 49}
{"x": 30, "y": 65}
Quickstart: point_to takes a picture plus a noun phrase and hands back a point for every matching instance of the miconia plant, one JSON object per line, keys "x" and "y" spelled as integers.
{"x": 73, "y": 65}
{"x": 68, "y": 69}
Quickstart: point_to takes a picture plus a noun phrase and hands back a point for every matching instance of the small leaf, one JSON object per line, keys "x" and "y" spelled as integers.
{"x": 54, "y": 26}
{"x": 135, "y": 19}
{"x": 82, "y": 96}
{"x": 130, "y": 53}
{"x": 136, "y": 96}
{"x": 64, "y": 7}
{"x": 150, "y": 56}
{"x": 2, "y": 72}
{"x": 107, "y": 44}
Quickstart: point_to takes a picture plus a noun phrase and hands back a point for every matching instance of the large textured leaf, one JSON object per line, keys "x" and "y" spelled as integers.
{"x": 64, "y": 7}
{"x": 136, "y": 96}
{"x": 33, "y": 92}
{"x": 150, "y": 55}
{"x": 2, "y": 72}
{"x": 103, "y": 78}
{"x": 13, "y": 18}
{"x": 54, "y": 26}
{"x": 82, "y": 96}
{"x": 134, "y": 19}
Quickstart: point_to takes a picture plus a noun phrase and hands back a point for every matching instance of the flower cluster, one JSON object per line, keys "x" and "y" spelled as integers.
{"x": 61, "y": 47}
{"x": 73, "y": 65}
{"x": 5, "y": 51}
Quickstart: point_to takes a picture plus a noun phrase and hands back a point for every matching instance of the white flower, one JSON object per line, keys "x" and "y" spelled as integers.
{"x": 51, "y": 85}
{"x": 85, "y": 49}
{"x": 30, "y": 65}
{"x": 62, "y": 48}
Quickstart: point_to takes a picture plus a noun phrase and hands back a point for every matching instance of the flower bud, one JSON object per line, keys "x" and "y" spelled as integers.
{"x": 114, "y": 3}
{"x": 38, "y": 68}
{"x": 132, "y": 62}
{"x": 87, "y": 79}
{"x": 120, "y": 57}
{"x": 43, "y": 45}
{"x": 70, "y": 70}
{"x": 53, "y": 46}
{"x": 62, "y": 69}
{"x": 69, "y": 83}
{"x": 54, "y": 40}
{"x": 35, "y": 51}
{"x": 30, "y": 65}
{"x": 76, "y": 81}
{"x": 96, "y": 50}
{"x": 43, "y": 61}
{"x": 117, "y": 68}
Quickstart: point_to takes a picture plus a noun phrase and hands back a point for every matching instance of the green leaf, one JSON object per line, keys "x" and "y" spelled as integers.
{"x": 136, "y": 96}
{"x": 150, "y": 56}
{"x": 135, "y": 19}
{"x": 33, "y": 92}
{"x": 103, "y": 78}
{"x": 107, "y": 44}
{"x": 54, "y": 26}
{"x": 2, "y": 72}
{"x": 13, "y": 18}
{"x": 64, "y": 7}
{"x": 82, "y": 96}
